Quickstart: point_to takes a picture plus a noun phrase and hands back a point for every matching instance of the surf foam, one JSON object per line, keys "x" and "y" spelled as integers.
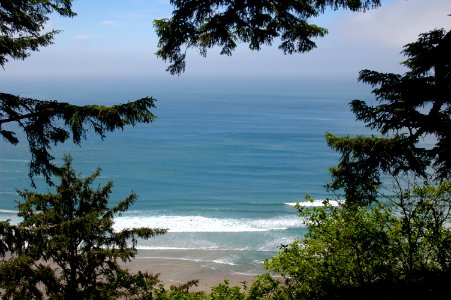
{"x": 207, "y": 224}
{"x": 315, "y": 203}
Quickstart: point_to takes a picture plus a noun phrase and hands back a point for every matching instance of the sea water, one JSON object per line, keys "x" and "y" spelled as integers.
{"x": 220, "y": 168}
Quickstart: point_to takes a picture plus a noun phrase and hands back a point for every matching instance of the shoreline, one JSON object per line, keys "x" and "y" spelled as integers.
{"x": 178, "y": 270}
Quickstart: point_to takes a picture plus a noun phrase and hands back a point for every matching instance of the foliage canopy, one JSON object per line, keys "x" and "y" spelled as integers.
{"x": 412, "y": 108}
{"x": 23, "y": 24}
{"x": 224, "y": 23}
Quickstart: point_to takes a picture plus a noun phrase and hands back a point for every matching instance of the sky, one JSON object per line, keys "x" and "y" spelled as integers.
{"x": 115, "y": 39}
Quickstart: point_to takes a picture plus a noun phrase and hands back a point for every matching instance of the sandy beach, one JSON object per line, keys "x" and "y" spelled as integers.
{"x": 175, "y": 271}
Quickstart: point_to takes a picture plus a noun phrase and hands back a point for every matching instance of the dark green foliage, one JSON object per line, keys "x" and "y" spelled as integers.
{"x": 412, "y": 107}
{"x": 22, "y": 25}
{"x": 181, "y": 295}
{"x": 265, "y": 287}
{"x": 427, "y": 285}
{"x": 389, "y": 241}
{"x": 48, "y": 123}
{"x": 65, "y": 246}
{"x": 418, "y": 103}
{"x": 364, "y": 159}
{"x": 341, "y": 249}
{"x": 225, "y": 292}
{"x": 424, "y": 227}
{"x": 224, "y": 23}
{"x": 185, "y": 286}
{"x": 133, "y": 286}
{"x": 361, "y": 253}
{"x": 181, "y": 292}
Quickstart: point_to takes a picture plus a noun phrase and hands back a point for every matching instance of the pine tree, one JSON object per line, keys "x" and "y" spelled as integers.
{"x": 412, "y": 107}
{"x": 65, "y": 247}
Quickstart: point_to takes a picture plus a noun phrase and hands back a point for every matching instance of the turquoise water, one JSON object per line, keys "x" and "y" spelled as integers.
{"x": 220, "y": 168}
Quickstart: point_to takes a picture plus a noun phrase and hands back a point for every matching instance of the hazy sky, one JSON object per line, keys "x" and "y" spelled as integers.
{"x": 116, "y": 39}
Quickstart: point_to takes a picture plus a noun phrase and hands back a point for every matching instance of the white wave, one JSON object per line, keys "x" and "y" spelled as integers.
{"x": 7, "y": 211}
{"x": 271, "y": 245}
{"x": 15, "y": 160}
{"x": 213, "y": 248}
{"x": 315, "y": 203}
{"x": 250, "y": 273}
{"x": 221, "y": 261}
{"x": 226, "y": 261}
{"x": 171, "y": 258}
{"x": 139, "y": 247}
{"x": 206, "y": 224}
{"x": 8, "y": 193}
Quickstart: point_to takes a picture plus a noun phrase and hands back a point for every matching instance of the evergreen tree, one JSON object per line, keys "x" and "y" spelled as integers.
{"x": 65, "y": 246}
{"x": 412, "y": 107}
{"x": 48, "y": 123}
{"x": 224, "y": 23}
{"x": 389, "y": 240}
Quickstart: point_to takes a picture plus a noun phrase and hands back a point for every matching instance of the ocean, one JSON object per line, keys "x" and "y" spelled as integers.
{"x": 221, "y": 167}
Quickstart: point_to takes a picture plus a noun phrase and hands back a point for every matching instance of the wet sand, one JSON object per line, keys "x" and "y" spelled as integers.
{"x": 176, "y": 271}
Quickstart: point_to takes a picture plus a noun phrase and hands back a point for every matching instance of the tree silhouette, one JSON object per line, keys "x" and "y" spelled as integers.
{"x": 412, "y": 107}
{"x": 224, "y": 23}
{"x": 48, "y": 123}
{"x": 65, "y": 247}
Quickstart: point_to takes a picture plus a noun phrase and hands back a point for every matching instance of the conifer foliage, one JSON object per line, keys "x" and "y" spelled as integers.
{"x": 65, "y": 246}
{"x": 224, "y": 23}
{"x": 413, "y": 108}
{"x": 391, "y": 239}
{"x": 47, "y": 123}
{"x": 22, "y": 26}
